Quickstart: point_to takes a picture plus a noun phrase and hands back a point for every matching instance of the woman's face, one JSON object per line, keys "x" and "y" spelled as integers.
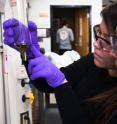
{"x": 102, "y": 57}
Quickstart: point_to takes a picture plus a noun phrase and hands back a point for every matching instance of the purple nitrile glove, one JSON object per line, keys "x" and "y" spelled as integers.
{"x": 42, "y": 67}
{"x": 34, "y": 38}
{"x": 16, "y": 33}
{"x": 33, "y": 32}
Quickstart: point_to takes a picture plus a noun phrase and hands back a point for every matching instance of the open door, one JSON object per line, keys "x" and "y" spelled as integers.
{"x": 82, "y": 31}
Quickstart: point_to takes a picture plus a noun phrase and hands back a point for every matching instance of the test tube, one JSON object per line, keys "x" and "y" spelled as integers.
{"x": 23, "y": 47}
{"x": 21, "y": 44}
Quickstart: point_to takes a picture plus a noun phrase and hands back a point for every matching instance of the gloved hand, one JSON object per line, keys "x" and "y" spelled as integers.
{"x": 33, "y": 34}
{"x": 42, "y": 67}
{"x": 16, "y": 33}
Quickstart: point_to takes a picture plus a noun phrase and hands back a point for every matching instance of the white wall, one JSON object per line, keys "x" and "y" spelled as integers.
{"x": 41, "y": 8}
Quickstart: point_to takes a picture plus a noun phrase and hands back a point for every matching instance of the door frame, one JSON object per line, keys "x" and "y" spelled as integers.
{"x": 75, "y": 7}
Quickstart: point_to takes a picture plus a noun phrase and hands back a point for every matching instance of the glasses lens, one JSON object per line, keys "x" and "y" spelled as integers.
{"x": 98, "y": 34}
{"x": 96, "y": 30}
{"x": 113, "y": 41}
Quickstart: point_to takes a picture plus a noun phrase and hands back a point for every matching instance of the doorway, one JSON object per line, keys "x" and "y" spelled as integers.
{"x": 79, "y": 19}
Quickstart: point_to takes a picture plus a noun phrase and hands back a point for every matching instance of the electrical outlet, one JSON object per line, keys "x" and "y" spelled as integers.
{"x": 24, "y": 118}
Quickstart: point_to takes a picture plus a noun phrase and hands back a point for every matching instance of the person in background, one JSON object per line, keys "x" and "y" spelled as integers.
{"x": 64, "y": 37}
{"x": 85, "y": 91}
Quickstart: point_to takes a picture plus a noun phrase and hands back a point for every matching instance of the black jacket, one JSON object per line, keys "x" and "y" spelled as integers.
{"x": 85, "y": 80}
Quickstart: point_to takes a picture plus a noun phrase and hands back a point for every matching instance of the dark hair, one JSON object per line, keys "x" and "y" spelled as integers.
{"x": 109, "y": 15}
{"x": 108, "y": 102}
{"x": 64, "y": 22}
{"x": 107, "y": 99}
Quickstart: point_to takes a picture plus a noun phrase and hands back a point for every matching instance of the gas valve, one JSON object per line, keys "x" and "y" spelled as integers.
{"x": 30, "y": 97}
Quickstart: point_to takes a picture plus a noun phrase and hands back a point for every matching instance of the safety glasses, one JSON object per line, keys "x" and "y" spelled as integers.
{"x": 110, "y": 39}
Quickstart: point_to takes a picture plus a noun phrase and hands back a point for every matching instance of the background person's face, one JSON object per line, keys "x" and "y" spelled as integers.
{"x": 102, "y": 57}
